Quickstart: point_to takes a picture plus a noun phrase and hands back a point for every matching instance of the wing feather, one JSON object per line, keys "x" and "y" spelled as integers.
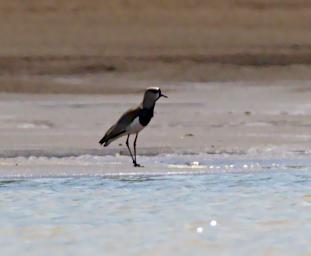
{"x": 119, "y": 128}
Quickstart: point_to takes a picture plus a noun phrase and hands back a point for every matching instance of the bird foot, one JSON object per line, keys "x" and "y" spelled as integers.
{"x": 137, "y": 165}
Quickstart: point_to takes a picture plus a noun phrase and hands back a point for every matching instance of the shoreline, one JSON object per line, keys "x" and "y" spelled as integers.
{"x": 87, "y": 166}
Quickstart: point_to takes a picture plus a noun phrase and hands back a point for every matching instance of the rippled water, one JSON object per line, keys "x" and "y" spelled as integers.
{"x": 266, "y": 212}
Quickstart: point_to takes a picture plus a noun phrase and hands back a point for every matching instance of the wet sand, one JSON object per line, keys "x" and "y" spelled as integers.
{"x": 213, "y": 118}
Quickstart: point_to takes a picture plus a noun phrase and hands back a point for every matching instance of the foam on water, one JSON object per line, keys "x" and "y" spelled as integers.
{"x": 169, "y": 164}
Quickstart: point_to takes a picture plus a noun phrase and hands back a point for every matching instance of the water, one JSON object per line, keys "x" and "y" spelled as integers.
{"x": 262, "y": 212}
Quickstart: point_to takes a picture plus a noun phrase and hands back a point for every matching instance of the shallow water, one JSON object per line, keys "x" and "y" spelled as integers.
{"x": 262, "y": 212}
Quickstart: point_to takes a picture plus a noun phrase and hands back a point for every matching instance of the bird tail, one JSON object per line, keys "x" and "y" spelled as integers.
{"x": 104, "y": 141}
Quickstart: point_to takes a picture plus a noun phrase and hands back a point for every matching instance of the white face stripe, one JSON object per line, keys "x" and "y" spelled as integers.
{"x": 153, "y": 88}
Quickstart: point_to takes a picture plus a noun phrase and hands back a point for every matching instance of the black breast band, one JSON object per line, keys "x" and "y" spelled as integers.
{"x": 145, "y": 115}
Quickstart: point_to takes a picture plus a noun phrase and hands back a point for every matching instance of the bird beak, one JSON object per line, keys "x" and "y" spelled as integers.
{"x": 162, "y": 95}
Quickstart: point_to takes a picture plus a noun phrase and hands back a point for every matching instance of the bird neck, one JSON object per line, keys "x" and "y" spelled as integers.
{"x": 145, "y": 115}
{"x": 147, "y": 105}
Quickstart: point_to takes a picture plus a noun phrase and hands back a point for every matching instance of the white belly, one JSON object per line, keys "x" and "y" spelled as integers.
{"x": 135, "y": 126}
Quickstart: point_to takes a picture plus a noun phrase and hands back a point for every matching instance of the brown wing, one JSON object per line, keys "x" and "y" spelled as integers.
{"x": 119, "y": 128}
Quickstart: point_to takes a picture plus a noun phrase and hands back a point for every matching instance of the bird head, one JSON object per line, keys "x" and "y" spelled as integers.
{"x": 152, "y": 94}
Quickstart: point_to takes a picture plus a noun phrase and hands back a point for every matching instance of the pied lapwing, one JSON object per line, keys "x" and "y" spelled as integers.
{"x": 133, "y": 121}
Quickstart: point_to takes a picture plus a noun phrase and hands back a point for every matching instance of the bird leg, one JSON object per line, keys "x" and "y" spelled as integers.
{"x": 136, "y": 164}
{"x": 128, "y": 147}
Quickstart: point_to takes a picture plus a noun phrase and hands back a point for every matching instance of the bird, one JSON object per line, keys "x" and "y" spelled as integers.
{"x": 133, "y": 121}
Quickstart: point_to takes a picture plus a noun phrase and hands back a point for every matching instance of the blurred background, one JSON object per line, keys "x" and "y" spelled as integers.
{"x": 62, "y": 46}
